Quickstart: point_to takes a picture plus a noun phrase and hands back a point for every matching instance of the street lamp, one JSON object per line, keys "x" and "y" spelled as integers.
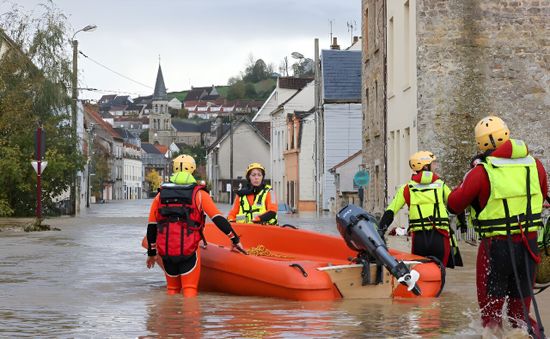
{"x": 74, "y": 97}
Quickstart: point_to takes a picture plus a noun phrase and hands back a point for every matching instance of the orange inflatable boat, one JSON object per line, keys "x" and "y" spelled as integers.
{"x": 301, "y": 265}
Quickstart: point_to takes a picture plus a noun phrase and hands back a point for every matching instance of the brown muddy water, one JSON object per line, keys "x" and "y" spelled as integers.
{"x": 90, "y": 280}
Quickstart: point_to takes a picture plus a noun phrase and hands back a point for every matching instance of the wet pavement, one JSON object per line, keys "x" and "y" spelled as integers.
{"x": 90, "y": 280}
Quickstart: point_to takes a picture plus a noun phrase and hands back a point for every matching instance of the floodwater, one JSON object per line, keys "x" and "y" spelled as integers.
{"x": 90, "y": 280}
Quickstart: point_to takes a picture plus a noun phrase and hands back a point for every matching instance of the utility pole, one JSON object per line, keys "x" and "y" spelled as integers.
{"x": 231, "y": 156}
{"x": 74, "y": 194}
{"x": 74, "y": 97}
{"x": 317, "y": 138}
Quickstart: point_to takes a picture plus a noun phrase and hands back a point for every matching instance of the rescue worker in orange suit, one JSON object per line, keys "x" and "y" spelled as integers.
{"x": 255, "y": 203}
{"x": 505, "y": 189}
{"x": 426, "y": 195}
{"x": 174, "y": 230}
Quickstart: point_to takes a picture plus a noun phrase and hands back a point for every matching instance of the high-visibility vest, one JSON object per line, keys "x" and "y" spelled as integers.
{"x": 427, "y": 205}
{"x": 247, "y": 213}
{"x": 515, "y": 201}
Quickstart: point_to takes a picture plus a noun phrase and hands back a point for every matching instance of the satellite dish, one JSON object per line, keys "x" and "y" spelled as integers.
{"x": 361, "y": 178}
{"x": 297, "y": 55}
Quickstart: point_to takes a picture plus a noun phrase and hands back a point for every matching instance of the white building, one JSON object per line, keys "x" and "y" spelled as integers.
{"x": 274, "y": 110}
{"x": 341, "y": 112}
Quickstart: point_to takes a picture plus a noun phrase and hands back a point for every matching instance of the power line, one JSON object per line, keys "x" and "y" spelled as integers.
{"x": 112, "y": 70}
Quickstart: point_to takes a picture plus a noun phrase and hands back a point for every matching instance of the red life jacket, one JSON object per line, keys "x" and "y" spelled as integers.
{"x": 179, "y": 229}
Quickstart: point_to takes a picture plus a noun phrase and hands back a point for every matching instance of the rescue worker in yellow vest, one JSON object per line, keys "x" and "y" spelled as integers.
{"x": 426, "y": 195}
{"x": 256, "y": 202}
{"x": 505, "y": 189}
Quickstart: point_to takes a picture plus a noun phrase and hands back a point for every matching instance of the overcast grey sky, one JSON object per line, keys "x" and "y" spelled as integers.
{"x": 200, "y": 42}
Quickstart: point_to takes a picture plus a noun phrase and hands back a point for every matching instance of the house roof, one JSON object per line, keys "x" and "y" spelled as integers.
{"x": 149, "y": 148}
{"x": 264, "y": 128}
{"x": 292, "y": 82}
{"x": 94, "y": 115}
{"x": 161, "y": 148}
{"x": 202, "y": 93}
{"x": 341, "y": 75}
{"x": 243, "y": 120}
{"x": 124, "y": 133}
{"x": 189, "y": 126}
{"x": 345, "y": 161}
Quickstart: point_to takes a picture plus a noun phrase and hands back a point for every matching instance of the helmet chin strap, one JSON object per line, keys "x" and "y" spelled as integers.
{"x": 492, "y": 141}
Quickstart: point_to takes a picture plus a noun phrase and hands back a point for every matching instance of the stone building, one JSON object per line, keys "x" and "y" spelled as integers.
{"x": 374, "y": 103}
{"x": 448, "y": 64}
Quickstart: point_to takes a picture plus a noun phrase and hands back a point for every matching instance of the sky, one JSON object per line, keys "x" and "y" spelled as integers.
{"x": 198, "y": 42}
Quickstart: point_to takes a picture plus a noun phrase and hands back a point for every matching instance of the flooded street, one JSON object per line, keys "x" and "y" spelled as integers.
{"x": 90, "y": 280}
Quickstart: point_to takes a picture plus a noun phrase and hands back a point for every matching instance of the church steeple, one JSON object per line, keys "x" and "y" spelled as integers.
{"x": 160, "y": 88}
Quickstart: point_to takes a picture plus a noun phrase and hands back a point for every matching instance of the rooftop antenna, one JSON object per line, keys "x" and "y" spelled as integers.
{"x": 330, "y": 22}
{"x": 351, "y": 28}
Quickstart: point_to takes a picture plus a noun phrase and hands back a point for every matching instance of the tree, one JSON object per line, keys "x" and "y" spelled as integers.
{"x": 304, "y": 68}
{"x": 35, "y": 77}
{"x": 154, "y": 179}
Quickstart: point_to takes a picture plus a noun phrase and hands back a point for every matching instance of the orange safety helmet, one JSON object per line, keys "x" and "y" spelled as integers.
{"x": 418, "y": 160}
{"x": 491, "y": 132}
{"x": 254, "y": 165}
{"x": 185, "y": 163}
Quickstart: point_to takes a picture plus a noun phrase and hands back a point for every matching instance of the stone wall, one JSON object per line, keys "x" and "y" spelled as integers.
{"x": 373, "y": 100}
{"x": 480, "y": 57}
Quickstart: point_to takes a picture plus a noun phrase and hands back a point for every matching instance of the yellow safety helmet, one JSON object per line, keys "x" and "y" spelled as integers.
{"x": 418, "y": 160}
{"x": 252, "y": 166}
{"x": 491, "y": 132}
{"x": 185, "y": 163}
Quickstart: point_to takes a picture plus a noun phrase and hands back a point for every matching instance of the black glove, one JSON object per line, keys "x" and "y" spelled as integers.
{"x": 462, "y": 225}
{"x": 385, "y": 222}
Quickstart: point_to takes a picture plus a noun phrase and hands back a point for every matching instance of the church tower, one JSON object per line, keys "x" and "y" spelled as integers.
{"x": 160, "y": 121}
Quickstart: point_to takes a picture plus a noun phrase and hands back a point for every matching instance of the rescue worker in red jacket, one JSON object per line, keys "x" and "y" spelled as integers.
{"x": 176, "y": 222}
{"x": 255, "y": 203}
{"x": 505, "y": 189}
{"x": 426, "y": 196}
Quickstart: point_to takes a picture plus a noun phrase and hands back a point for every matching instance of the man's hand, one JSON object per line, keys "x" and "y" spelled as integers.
{"x": 151, "y": 261}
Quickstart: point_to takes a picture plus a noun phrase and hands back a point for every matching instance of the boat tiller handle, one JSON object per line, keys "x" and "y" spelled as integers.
{"x": 300, "y": 268}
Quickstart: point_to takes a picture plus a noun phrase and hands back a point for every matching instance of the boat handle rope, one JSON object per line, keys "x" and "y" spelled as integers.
{"x": 289, "y": 225}
{"x": 300, "y": 268}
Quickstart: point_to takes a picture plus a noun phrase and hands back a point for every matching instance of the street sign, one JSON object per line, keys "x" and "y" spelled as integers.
{"x": 43, "y": 165}
{"x": 361, "y": 178}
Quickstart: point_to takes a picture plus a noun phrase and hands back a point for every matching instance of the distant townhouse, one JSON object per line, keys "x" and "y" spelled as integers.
{"x": 273, "y": 111}
{"x": 341, "y": 114}
{"x": 250, "y": 144}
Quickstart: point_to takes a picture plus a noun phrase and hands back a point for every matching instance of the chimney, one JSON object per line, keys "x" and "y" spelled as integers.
{"x": 355, "y": 38}
{"x": 334, "y": 44}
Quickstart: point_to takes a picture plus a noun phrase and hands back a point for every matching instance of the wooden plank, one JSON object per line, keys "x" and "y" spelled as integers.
{"x": 347, "y": 279}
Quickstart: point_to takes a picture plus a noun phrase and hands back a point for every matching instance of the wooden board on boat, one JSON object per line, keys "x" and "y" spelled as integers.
{"x": 347, "y": 279}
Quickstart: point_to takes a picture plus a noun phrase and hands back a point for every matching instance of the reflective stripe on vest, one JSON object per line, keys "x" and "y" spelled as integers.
{"x": 247, "y": 213}
{"x": 427, "y": 206}
{"x": 509, "y": 209}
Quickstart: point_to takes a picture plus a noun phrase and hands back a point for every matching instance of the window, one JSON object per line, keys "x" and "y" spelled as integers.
{"x": 366, "y": 32}
{"x": 406, "y": 45}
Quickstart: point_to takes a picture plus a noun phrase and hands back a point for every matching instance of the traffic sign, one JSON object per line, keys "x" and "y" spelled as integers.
{"x": 43, "y": 165}
{"x": 361, "y": 178}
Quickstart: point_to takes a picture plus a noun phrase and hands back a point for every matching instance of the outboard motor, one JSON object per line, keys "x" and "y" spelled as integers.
{"x": 360, "y": 231}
